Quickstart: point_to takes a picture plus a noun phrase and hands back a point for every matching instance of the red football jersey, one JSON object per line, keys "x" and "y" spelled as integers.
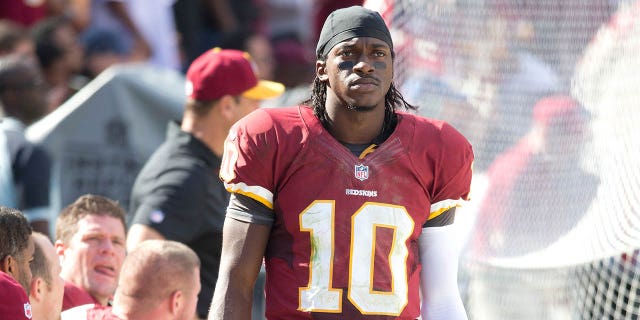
{"x": 344, "y": 243}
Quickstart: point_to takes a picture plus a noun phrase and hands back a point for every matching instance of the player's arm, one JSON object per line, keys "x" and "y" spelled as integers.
{"x": 243, "y": 246}
{"x": 249, "y": 216}
{"x": 439, "y": 276}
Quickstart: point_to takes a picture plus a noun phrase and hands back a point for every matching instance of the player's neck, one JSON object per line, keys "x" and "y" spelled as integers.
{"x": 355, "y": 127}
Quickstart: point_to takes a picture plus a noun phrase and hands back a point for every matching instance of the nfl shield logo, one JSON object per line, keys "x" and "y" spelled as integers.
{"x": 27, "y": 310}
{"x": 361, "y": 172}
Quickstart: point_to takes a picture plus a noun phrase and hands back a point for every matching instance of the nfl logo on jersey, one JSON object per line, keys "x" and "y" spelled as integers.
{"x": 361, "y": 172}
{"x": 27, "y": 310}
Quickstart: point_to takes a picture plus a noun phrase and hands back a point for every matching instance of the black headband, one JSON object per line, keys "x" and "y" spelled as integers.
{"x": 347, "y": 23}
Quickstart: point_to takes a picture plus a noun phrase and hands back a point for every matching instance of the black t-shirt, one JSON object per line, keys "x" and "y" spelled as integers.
{"x": 178, "y": 193}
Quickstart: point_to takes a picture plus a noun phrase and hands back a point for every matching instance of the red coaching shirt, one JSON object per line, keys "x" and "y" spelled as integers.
{"x": 345, "y": 237}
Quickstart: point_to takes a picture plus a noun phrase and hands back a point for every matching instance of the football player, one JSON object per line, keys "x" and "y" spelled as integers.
{"x": 349, "y": 200}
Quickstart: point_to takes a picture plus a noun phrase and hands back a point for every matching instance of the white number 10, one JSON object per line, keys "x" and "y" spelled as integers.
{"x": 319, "y": 295}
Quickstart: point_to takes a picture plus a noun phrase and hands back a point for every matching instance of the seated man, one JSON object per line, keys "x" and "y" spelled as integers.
{"x": 90, "y": 242}
{"x": 16, "y": 252}
{"x": 160, "y": 279}
{"x": 47, "y": 288}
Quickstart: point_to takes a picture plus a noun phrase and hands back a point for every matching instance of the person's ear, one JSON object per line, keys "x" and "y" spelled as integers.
{"x": 60, "y": 250}
{"x": 176, "y": 302}
{"x": 227, "y": 106}
{"x": 6, "y": 263}
{"x": 37, "y": 289}
{"x": 321, "y": 70}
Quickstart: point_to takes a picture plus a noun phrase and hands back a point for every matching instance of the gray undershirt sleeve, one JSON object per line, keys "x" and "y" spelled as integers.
{"x": 243, "y": 208}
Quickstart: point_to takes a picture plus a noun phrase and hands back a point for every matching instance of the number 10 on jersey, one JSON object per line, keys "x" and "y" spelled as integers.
{"x": 318, "y": 219}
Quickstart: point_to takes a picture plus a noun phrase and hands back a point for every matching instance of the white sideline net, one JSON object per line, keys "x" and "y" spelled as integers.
{"x": 553, "y": 228}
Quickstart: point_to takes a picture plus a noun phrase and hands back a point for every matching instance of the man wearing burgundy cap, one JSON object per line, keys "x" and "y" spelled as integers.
{"x": 177, "y": 194}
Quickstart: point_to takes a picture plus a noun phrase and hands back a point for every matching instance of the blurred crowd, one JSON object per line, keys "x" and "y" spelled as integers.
{"x": 72, "y": 41}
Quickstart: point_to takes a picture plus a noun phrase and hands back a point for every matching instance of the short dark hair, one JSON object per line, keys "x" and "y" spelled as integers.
{"x": 88, "y": 204}
{"x": 15, "y": 231}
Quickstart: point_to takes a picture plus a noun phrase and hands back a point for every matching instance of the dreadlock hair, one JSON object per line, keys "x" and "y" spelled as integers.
{"x": 393, "y": 99}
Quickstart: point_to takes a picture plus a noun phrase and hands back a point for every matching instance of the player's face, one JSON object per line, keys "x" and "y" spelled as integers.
{"x": 93, "y": 257}
{"x": 358, "y": 73}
